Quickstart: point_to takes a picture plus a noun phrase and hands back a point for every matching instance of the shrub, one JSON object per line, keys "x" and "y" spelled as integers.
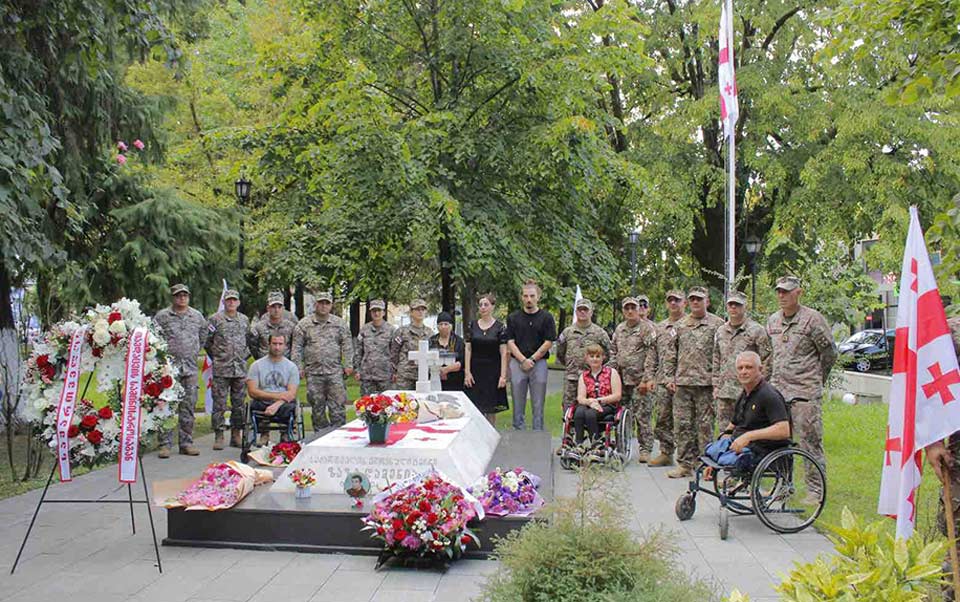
{"x": 584, "y": 550}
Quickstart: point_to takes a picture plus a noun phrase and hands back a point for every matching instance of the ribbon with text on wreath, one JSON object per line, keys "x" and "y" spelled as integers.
{"x": 130, "y": 417}
{"x": 68, "y": 400}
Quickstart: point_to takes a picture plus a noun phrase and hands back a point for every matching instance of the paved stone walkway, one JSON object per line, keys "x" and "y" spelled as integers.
{"x": 90, "y": 550}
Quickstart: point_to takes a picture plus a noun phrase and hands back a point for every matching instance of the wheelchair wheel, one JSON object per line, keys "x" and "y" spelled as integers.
{"x": 685, "y": 507}
{"x": 724, "y": 523}
{"x": 733, "y": 487}
{"x": 246, "y": 441}
{"x": 788, "y": 490}
{"x": 624, "y": 436}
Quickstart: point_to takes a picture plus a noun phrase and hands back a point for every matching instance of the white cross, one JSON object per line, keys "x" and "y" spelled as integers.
{"x": 425, "y": 358}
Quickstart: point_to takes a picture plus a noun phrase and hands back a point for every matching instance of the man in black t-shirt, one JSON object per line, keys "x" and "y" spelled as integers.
{"x": 760, "y": 418}
{"x": 531, "y": 332}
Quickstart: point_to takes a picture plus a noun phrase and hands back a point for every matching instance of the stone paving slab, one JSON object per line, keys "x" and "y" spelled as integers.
{"x": 97, "y": 557}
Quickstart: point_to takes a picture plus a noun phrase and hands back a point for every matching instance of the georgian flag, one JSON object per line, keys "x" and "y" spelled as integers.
{"x": 924, "y": 391}
{"x": 729, "y": 106}
{"x": 207, "y": 369}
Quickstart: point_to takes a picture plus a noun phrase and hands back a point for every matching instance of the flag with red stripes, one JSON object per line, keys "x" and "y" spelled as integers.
{"x": 925, "y": 387}
{"x": 729, "y": 104}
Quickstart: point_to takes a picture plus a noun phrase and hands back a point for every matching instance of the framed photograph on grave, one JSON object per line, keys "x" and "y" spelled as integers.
{"x": 356, "y": 485}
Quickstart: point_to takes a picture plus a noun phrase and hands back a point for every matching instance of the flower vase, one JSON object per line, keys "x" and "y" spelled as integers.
{"x": 378, "y": 431}
{"x": 303, "y": 493}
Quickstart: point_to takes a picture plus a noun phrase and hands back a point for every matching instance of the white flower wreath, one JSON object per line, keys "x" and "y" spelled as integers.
{"x": 95, "y": 432}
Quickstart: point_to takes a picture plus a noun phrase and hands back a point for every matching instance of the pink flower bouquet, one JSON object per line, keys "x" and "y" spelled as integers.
{"x": 221, "y": 486}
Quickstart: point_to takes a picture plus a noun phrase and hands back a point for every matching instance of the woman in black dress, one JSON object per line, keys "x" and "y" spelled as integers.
{"x": 486, "y": 361}
{"x": 451, "y": 373}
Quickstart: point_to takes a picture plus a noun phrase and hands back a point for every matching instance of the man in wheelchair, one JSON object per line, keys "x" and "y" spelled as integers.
{"x": 272, "y": 383}
{"x": 760, "y": 424}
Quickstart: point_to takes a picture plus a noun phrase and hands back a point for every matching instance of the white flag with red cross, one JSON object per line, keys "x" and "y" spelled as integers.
{"x": 925, "y": 389}
{"x": 729, "y": 104}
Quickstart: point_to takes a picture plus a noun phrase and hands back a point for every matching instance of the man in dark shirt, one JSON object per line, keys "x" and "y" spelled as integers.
{"x": 531, "y": 332}
{"x": 760, "y": 418}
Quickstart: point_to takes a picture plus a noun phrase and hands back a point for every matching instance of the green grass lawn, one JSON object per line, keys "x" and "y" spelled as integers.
{"x": 854, "y": 441}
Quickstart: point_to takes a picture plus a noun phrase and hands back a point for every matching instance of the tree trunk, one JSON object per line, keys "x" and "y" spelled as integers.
{"x": 355, "y": 317}
{"x": 468, "y": 296}
{"x": 10, "y": 361}
{"x": 561, "y": 320}
{"x": 298, "y": 299}
{"x": 447, "y": 294}
{"x": 287, "y": 297}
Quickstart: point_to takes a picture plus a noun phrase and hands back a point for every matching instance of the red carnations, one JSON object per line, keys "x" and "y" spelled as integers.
{"x": 105, "y": 412}
{"x": 73, "y": 431}
{"x": 153, "y": 389}
{"x": 114, "y": 317}
{"x": 88, "y": 422}
{"x": 43, "y": 360}
{"x": 48, "y": 371}
{"x": 167, "y": 381}
{"x": 95, "y": 437}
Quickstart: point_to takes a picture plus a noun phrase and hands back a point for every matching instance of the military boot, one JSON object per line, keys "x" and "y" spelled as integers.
{"x": 661, "y": 460}
{"x": 189, "y": 450}
{"x": 218, "y": 440}
{"x": 164, "y": 452}
{"x": 235, "y": 438}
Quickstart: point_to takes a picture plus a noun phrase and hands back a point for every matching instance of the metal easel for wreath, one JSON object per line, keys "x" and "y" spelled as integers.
{"x": 130, "y": 501}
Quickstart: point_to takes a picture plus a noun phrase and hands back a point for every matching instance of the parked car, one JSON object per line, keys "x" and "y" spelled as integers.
{"x": 868, "y": 349}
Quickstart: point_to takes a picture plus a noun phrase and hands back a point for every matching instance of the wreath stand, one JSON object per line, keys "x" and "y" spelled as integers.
{"x": 130, "y": 501}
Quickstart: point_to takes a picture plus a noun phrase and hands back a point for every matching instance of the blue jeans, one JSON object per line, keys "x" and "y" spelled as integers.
{"x": 536, "y": 381}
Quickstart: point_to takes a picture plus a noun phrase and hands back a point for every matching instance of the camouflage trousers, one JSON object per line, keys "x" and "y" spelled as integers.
{"x": 569, "y": 394}
{"x": 807, "y": 417}
{"x": 327, "y": 396}
{"x": 372, "y": 387}
{"x": 236, "y": 387}
{"x": 692, "y": 422}
{"x": 642, "y": 408}
{"x": 662, "y": 401}
{"x": 185, "y": 417}
{"x": 405, "y": 384}
{"x": 725, "y": 407}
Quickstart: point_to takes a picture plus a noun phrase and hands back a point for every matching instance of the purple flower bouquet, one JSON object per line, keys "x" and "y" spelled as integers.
{"x": 510, "y": 493}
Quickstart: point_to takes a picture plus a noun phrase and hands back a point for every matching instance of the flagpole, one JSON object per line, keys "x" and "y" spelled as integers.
{"x": 732, "y": 183}
{"x": 951, "y": 528}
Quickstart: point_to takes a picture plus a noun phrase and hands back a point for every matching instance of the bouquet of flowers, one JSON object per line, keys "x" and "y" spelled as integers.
{"x": 220, "y": 487}
{"x": 303, "y": 478}
{"x": 383, "y": 409}
{"x": 284, "y": 452}
{"x": 424, "y": 516}
{"x": 508, "y": 493}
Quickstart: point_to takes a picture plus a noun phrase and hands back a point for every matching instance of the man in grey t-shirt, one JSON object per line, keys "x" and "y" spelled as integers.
{"x": 272, "y": 383}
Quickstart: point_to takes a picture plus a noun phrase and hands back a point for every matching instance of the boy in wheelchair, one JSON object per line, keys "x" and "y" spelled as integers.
{"x": 272, "y": 383}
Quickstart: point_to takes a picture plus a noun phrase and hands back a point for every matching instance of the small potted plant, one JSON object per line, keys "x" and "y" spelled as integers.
{"x": 378, "y": 411}
{"x": 303, "y": 479}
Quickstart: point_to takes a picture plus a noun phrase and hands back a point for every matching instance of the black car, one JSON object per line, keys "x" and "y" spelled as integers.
{"x": 868, "y": 349}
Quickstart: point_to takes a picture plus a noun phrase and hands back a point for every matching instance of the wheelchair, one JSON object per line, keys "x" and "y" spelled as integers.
{"x": 291, "y": 430}
{"x": 614, "y": 448}
{"x": 786, "y": 489}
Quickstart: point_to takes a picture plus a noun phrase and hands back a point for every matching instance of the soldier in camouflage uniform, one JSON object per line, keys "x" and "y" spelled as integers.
{"x": 322, "y": 346}
{"x": 738, "y": 333}
{"x": 407, "y": 339}
{"x": 690, "y": 370}
{"x": 656, "y": 378}
{"x": 632, "y": 340}
{"x": 372, "y": 358}
{"x": 571, "y": 347}
{"x": 803, "y": 354}
{"x": 227, "y": 346}
{"x": 947, "y": 458}
{"x": 185, "y": 331}
{"x": 274, "y": 322}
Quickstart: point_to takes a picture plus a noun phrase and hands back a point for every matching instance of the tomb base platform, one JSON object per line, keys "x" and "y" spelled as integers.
{"x": 328, "y": 523}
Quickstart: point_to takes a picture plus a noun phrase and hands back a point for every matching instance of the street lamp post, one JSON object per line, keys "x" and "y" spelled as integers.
{"x": 752, "y": 246}
{"x": 242, "y": 189}
{"x": 634, "y": 237}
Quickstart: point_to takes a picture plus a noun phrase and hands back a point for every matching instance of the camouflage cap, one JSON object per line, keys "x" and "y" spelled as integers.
{"x": 583, "y": 302}
{"x": 644, "y": 299}
{"x": 274, "y": 298}
{"x": 323, "y": 296}
{"x": 418, "y": 303}
{"x": 377, "y": 304}
{"x": 629, "y": 301}
{"x": 787, "y": 283}
{"x": 231, "y": 294}
{"x": 676, "y": 293}
{"x": 698, "y": 291}
{"x": 737, "y": 297}
{"x": 176, "y": 289}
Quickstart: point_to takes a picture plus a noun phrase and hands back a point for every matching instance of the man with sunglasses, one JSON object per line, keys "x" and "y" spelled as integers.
{"x": 654, "y": 374}
{"x": 738, "y": 334}
{"x": 690, "y": 376}
{"x": 632, "y": 341}
{"x": 803, "y": 354}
